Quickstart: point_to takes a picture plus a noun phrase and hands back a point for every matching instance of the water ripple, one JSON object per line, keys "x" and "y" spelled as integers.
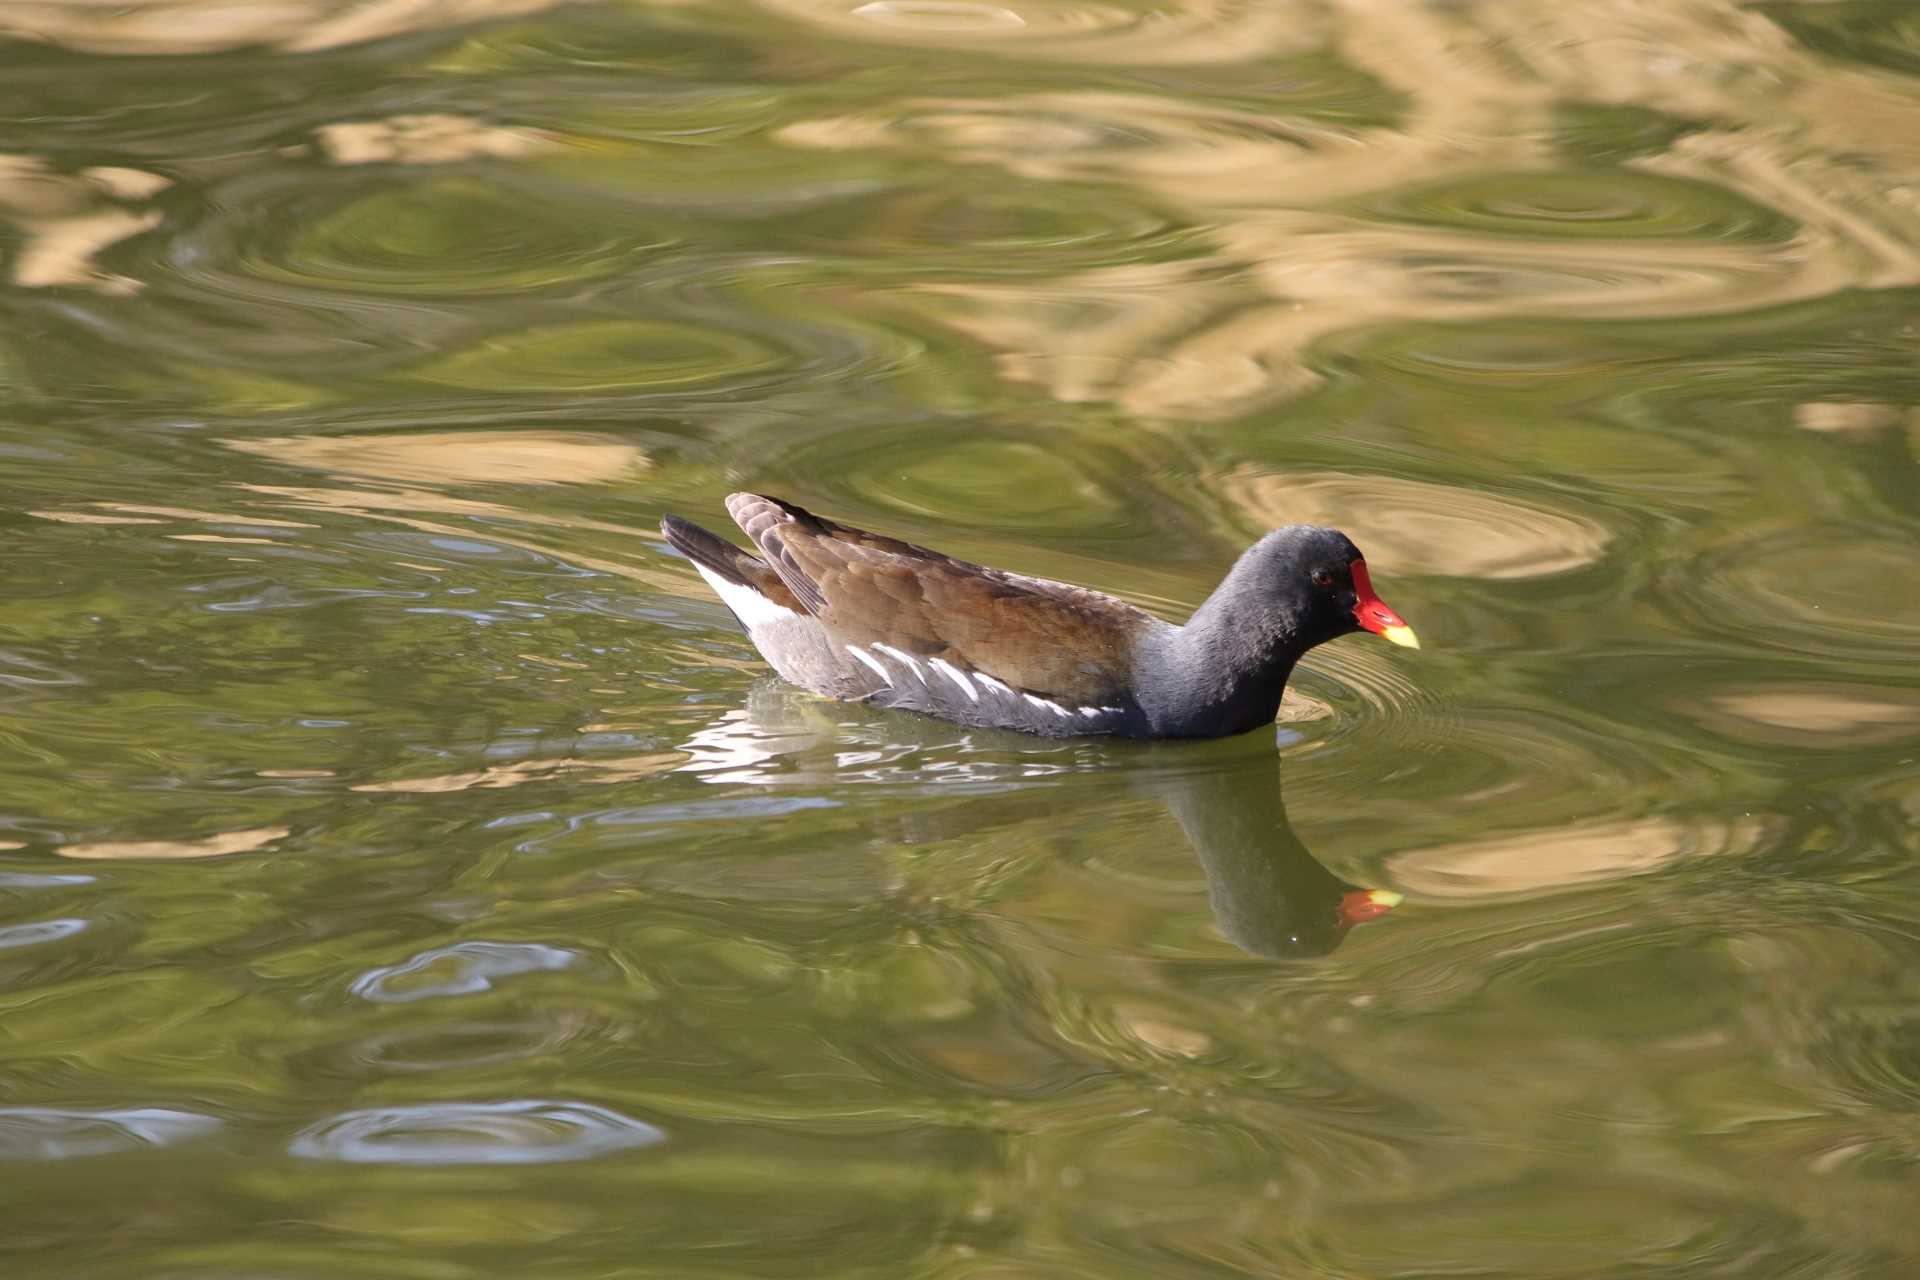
{"x": 52, "y": 1133}
{"x": 1005, "y": 229}
{"x": 185, "y": 27}
{"x": 443, "y": 458}
{"x": 1413, "y": 526}
{"x": 1086, "y": 136}
{"x": 1805, "y": 714}
{"x": 452, "y": 1133}
{"x": 35, "y": 880}
{"x": 458, "y": 235}
{"x": 1018, "y": 268}
{"x": 20, "y": 671}
{"x": 1072, "y": 30}
{"x": 610, "y": 355}
{"x": 462, "y": 969}
{"x": 1616, "y": 205}
{"x": 39, "y": 931}
{"x": 1791, "y": 590}
{"x": 1564, "y": 856}
{"x": 601, "y": 310}
{"x": 432, "y": 1049}
{"x": 1367, "y": 682}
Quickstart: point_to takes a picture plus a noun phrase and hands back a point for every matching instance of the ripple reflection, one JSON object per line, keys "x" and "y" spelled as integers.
{"x": 1789, "y": 590}
{"x": 52, "y": 1133}
{"x": 440, "y": 458}
{"x": 458, "y": 236}
{"x": 1562, "y": 857}
{"x": 466, "y": 1045}
{"x": 1617, "y": 205}
{"x": 1202, "y": 33}
{"x": 38, "y": 931}
{"x": 1829, "y": 716}
{"x": 1413, "y": 526}
{"x": 452, "y": 1133}
{"x": 464, "y": 968}
{"x": 181, "y": 27}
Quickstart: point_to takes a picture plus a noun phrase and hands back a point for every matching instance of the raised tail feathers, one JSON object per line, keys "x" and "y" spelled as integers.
{"x": 710, "y": 551}
{"x": 724, "y": 565}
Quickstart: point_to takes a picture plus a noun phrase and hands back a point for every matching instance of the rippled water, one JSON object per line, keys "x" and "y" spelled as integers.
{"x": 406, "y": 868}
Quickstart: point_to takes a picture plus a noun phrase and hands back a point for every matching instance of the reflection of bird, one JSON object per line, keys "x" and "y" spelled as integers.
{"x": 859, "y": 616}
{"x": 1269, "y": 896}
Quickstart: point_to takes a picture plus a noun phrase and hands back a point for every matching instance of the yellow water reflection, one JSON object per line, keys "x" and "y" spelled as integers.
{"x": 176, "y": 27}
{"x": 1196, "y": 32}
{"x": 585, "y": 769}
{"x": 67, "y": 220}
{"x": 424, "y": 139}
{"x": 1555, "y": 858}
{"x": 1282, "y": 199}
{"x": 1409, "y": 526}
{"x": 1847, "y": 417}
{"x": 459, "y": 457}
{"x": 208, "y": 847}
{"x": 1836, "y": 717}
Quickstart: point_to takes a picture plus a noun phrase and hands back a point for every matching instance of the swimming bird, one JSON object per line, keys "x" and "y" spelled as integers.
{"x": 867, "y": 618}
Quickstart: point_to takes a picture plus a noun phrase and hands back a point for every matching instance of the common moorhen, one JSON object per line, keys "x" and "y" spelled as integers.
{"x": 862, "y": 617}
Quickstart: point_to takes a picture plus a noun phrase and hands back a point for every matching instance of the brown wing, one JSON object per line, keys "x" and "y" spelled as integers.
{"x": 1046, "y": 637}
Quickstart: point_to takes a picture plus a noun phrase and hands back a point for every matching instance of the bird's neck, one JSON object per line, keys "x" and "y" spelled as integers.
{"x": 1225, "y": 670}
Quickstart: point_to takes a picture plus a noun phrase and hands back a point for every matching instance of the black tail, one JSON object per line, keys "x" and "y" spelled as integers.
{"x": 713, "y": 552}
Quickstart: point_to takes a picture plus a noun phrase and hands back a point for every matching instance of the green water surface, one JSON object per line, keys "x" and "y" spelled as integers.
{"x": 408, "y": 870}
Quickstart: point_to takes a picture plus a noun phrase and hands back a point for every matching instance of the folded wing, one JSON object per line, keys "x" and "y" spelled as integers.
{"x": 1043, "y": 638}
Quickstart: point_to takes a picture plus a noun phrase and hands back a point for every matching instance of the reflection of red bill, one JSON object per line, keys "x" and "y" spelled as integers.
{"x": 1361, "y": 905}
{"x": 1371, "y": 612}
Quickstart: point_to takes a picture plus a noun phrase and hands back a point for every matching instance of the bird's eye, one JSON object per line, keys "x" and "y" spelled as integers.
{"x": 1322, "y": 578}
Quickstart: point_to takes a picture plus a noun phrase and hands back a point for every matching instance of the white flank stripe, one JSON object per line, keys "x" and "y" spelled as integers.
{"x": 1091, "y": 711}
{"x": 990, "y": 682}
{"x": 1054, "y": 707}
{"x": 862, "y": 656}
{"x": 753, "y": 609}
{"x": 913, "y": 663}
{"x": 956, "y": 675}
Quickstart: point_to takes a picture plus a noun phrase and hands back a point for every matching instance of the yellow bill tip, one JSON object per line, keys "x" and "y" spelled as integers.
{"x": 1402, "y": 636}
{"x": 1357, "y": 906}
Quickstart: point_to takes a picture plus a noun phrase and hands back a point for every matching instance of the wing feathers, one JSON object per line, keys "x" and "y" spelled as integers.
{"x": 1029, "y": 634}
{"x": 771, "y": 524}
